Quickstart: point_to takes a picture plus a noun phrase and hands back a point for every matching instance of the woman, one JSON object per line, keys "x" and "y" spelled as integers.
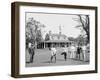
{"x": 72, "y": 51}
{"x": 84, "y": 52}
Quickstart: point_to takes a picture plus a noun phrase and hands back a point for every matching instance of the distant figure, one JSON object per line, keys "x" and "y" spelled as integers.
{"x": 49, "y": 46}
{"x": 69, "y": 52}
{"x": 84, "y": 52}
{"x": 65, "y": 50}
{"x": 79, "y": 50}
{"x": 72, "y": 51}
{"x": 31, "y": 50}
{"x": 53, "y": 53}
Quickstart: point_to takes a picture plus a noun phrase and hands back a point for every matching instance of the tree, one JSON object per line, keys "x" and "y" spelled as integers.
{"x": 84, "y": 23}
{"x": 33, "y": 31}
{"x": 81, "y": 40}
{"x": 39, "y": 36}
{"x": 47, "y": 37}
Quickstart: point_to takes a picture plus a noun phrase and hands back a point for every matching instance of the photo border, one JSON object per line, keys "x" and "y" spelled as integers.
{"x": 15, "y": 32}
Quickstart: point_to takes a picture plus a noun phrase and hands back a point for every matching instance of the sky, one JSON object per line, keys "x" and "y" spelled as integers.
{"x": 53, "y": 21}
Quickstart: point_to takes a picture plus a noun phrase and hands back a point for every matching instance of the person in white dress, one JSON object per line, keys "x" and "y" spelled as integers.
{"x": 69, "y": 52}
{"x": 73, "y": 49}
{"x": 84, "y": 52}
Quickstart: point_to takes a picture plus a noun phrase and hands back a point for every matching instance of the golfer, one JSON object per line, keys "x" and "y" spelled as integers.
{"x": 65, "y": 50}
{"x": 53, "y": 54}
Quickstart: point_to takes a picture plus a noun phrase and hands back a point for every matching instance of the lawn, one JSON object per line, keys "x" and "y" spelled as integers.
{"x": 42, "y": 58}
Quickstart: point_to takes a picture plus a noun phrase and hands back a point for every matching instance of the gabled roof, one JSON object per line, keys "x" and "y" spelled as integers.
{"x": 58, "y": 35}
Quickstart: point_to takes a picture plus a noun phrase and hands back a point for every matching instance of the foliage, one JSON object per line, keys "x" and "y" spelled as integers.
{"x": 47, "y": 37}
{"x": 81, "y": 40}
{"x": 84, "y": 25}
{"x": 33, "y": 31}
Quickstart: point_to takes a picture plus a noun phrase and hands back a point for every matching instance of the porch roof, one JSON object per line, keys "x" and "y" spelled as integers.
{"x": 56, "y": 41}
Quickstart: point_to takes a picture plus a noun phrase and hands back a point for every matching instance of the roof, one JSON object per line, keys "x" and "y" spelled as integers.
{"x": 56, "y": 41}
{"x": 58, "y": 35}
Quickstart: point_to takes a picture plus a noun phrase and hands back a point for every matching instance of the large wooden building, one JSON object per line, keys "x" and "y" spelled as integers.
{"x": 55, "y": 39}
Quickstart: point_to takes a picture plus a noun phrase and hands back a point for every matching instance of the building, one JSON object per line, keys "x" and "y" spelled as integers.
{"x": 55, "y": 39}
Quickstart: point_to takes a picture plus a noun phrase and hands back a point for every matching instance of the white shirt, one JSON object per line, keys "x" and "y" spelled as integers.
{"x": 65, "y": 49}
{"x": 72, "y": 48}
{"x": 84, "y": 48}
{"x": 29, "y": 45}
{"x": 53, "y": 51}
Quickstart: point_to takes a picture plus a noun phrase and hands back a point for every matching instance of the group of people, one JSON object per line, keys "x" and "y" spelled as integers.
{"x": 73, "y": 52}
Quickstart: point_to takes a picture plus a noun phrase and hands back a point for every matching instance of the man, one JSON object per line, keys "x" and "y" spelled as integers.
{"x": 65, "y": 50}
{"x": 79, "y": 50}
{"x": 31, "y": 50}
{"x": 53, "y": 53}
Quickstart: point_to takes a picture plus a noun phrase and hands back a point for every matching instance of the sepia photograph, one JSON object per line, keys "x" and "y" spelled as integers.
{"x": 56, "y": 39}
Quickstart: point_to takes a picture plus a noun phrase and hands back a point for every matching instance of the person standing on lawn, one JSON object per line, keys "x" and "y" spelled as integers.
{"x": 65, "y": 50}
{"x": 73, "y": 51}
{"x": 79, "y": 50}
{"x": 84, "y": 52}
{"x": 53, "y": 53}
{"x": 31, "y": 50}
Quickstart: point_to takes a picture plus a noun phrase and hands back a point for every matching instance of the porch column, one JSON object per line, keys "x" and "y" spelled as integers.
{"x": 44, "y": 44}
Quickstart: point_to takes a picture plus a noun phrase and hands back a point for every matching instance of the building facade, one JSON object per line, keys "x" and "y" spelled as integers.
{"x": 56, "y": 40}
